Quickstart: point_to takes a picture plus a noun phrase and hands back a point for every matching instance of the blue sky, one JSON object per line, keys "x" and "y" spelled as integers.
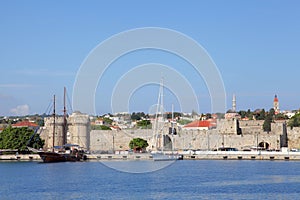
{"x": 254, "y": 44}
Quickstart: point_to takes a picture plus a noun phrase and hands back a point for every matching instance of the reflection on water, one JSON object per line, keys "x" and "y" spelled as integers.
{"x": 260, "y": 180}
{"x": 142, "y": 166}
{"x": 181, "y": 180}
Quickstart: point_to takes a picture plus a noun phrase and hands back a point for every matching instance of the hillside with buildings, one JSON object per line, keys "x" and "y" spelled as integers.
{"x": 244, "y": 130}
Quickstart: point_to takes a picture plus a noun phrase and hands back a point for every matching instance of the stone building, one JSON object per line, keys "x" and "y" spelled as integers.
{"x": 78, "y": 131}
{"x": 228, "y": 132}
{"x": 48, "y": 130}
{"x": 236, "y": 133}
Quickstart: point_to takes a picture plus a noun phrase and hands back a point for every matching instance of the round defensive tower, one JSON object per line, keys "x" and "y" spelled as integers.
{"x": 47, "y": 133}
{"x": 79, "y": 129}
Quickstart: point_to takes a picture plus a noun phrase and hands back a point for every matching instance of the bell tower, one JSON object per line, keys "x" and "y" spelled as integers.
{"x": 276, "y": 105}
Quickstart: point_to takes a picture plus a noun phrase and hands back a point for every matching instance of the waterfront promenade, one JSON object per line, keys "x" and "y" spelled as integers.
{"x": 199, "y": 155}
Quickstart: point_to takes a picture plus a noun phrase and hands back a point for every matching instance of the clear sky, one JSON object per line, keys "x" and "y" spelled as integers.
{"x": 255, "y": 45}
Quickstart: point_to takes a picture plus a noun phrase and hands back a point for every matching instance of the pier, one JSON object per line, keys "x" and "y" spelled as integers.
{"x": 133, "y": 156}
{"x": 20, "y": 157}
{"x": 243, "y": 155}
{"x": 200, "y": 155}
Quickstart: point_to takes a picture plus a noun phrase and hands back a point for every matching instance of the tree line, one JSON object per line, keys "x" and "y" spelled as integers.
{"x": 20, "y": 138}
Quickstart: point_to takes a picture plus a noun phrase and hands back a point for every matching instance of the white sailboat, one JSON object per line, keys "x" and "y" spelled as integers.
{"x": 159, "y": 154}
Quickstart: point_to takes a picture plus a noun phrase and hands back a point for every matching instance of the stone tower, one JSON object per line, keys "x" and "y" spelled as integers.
{"x": 79, "y": 129}
{"x": 47, "y": 132}
{"x": 276, "y": 105}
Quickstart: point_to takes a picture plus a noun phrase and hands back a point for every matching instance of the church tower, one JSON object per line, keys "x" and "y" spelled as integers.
{"x": 276, "y": 105}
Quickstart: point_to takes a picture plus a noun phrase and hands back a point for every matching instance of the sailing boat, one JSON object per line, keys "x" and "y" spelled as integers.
{"x": 162, "y": 155}
{"x": 67, "y": 152}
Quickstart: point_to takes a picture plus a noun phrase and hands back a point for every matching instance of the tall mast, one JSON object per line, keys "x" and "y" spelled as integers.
{"x": 162, "y": 114}
{"x": 162, "y": 98}
{"x": 172, "y": 126}
{"x": 65, "y": 119}
{"x": 156, "y": 122}
{"x": 54, "y": 115}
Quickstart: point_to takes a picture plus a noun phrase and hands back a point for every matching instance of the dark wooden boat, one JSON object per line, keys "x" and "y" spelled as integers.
{"x": 52, "y": 157}
{"x": 65, "y": 153}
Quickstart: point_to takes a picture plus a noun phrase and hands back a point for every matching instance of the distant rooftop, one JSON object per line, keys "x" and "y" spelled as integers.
{"x": 25, "y": 124}
{"x": 201, "y": 123}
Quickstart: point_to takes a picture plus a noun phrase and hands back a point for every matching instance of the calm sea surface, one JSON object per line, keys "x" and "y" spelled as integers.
{"x": 224, "y": 179}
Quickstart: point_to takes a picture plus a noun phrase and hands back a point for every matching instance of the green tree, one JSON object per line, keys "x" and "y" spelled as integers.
{"x": 268, "y": 120}
{"x": 100, "y": 127}
{"x": 243, "y": 113}
{"x": 144, "y": 124}
{"x": 261, "y": 115}
{"x": 20, "y": 138}
{"x": 175, "y": 115}
{"x": 107, "y": 120}
{"x": 138, "y": 143}
{"x": 267, "y": 124}
{"x": 272, "y": 112}
{"x": 249, "y": 114}
{"x": 208, "y": 116}
{"x": 281, "y": 116}
{"x": 184, "y": 121}
{"x": 135, "y": 116}
{"x": 294, "y": 121}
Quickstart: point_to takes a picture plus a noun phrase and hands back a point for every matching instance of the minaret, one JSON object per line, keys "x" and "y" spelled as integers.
{"x": 233, "y": 103}
{"x": 276, "y": 105}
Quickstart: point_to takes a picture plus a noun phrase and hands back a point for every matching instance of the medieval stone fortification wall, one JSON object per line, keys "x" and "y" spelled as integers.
{"x": 225, "y": 134}
{"x": 294, "y": 138}
{"x": 252, "y": 136}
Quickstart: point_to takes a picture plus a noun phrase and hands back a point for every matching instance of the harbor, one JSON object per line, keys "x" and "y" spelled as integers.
{"x": 199, "y": 155}
{"x": 158, "y": 100}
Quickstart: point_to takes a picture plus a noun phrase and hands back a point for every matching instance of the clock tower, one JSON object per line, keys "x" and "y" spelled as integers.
{"x": 276, "y": 105}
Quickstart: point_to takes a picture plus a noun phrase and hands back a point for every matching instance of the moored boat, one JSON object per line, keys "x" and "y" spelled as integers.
{"x": 159, "y": 154}
{"x": 65, "y": 153}
{"x": 68, "y": 152}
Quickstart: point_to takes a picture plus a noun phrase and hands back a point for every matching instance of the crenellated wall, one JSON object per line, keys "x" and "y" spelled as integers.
{"x": 225, "y": 135}
{"x": 205, "y": 139}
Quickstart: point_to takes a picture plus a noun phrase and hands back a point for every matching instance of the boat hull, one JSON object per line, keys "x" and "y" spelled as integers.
{"x": 49, "y": 157}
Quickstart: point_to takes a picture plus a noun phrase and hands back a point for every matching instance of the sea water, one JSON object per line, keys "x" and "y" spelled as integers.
{"x": 201, "y": 179}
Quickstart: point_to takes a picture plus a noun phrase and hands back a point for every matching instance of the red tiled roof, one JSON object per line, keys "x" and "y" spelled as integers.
{"x": 203, "y": 123}
{"x": 116, "y": 127}
{"x": 25, "y": 124}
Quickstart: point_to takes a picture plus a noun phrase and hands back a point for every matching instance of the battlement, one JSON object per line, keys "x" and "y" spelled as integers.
{"x": 78, "y": 119}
